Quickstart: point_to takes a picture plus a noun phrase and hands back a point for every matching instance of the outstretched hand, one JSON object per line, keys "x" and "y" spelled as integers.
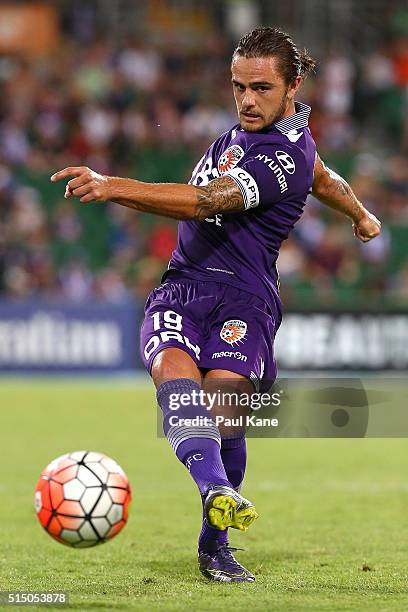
{"x": 367, "y": 228}
{"x": 87, "y": 185}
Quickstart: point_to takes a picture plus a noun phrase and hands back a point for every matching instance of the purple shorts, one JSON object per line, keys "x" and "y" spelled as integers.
{"x": 219, "y": 326}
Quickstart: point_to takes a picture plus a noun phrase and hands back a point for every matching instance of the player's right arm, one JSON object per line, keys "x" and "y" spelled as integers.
{"x": 331, "y": 189}
{"x": 175, "y": 200}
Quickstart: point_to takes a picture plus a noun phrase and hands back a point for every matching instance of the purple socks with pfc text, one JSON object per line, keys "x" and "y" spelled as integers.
{"x": 209, "y": 459}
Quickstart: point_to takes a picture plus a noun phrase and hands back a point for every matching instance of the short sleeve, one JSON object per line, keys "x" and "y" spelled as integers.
{"x": 269, "y": 173}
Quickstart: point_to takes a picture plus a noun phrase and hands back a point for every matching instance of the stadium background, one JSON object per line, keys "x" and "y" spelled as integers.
{"x": 140, "y": 89}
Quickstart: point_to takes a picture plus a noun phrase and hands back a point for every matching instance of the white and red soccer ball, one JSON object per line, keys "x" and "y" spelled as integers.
{"x": 82, "y": 499}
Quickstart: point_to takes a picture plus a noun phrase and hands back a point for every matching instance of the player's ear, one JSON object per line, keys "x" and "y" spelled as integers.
{"x": 294, "y": 87}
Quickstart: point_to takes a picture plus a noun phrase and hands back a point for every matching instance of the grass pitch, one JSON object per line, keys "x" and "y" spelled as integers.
{"x": 332, "y": 532}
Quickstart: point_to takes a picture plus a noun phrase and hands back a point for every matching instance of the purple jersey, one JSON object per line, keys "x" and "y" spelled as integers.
{"x": 274, "y": 171}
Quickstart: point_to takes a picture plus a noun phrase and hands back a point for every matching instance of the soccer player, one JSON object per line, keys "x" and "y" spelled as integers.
{"x": 214, "y": 317}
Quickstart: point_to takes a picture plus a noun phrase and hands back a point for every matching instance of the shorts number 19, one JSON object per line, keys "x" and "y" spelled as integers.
{"x": 171, "y": 320}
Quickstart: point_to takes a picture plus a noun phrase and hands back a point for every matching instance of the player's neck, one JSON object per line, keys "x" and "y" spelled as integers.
{"x": 290, "y": 109}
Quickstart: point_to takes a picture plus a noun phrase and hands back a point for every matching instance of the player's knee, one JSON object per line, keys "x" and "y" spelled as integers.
{"x": 174, "y": 363}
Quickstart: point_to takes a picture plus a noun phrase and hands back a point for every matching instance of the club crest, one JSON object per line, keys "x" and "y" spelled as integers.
{"x": 230, "y": 158}
{"x": 233, "y": 332}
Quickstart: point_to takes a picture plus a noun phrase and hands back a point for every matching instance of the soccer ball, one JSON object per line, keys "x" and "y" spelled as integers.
{"x": 82, "y": 499}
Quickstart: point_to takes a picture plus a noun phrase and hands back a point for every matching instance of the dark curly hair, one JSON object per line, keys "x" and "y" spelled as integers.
{"x": 272, "y": 42}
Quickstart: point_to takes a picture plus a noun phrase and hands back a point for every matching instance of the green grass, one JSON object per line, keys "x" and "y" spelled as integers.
{"x": 328, "y": 508}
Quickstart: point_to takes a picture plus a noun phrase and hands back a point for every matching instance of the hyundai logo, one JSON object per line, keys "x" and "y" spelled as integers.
{"x": 286, "y": 161}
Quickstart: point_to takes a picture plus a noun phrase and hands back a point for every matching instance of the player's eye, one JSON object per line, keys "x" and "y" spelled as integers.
{"x": 262, "y": 89}
{"x": 239, "y": 87}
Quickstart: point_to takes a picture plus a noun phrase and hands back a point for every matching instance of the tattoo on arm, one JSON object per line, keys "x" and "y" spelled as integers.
{"x": 222, "y": 195}
{"x": 340, "y": 184}
{"x": 331, "y": 189}
{"x": 327, "y": 182}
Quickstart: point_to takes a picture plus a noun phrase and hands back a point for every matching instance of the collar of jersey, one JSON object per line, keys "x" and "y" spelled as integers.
{"x": 299, "y": 120}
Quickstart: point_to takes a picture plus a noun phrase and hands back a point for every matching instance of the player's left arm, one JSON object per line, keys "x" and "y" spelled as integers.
{"x": 333, "y": 190}
{"x": 178, "y": 201}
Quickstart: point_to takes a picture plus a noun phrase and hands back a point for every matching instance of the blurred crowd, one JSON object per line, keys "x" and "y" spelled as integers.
{"x": 150, "y": 113}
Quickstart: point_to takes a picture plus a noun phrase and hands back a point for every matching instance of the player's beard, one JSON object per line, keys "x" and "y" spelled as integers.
{"x": 272, "y": 118}
{"x": 282, "y": 109}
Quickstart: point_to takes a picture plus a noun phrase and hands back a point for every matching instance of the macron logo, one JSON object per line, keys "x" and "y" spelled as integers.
{"x": 293, "y": 135}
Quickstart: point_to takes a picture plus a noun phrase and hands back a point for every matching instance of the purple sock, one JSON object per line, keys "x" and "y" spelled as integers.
{"x": 233, "y": 453}
{"x": 196, "y": 445}
{"x": 211, "y": 538}
{"x": 234, "y": 456}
